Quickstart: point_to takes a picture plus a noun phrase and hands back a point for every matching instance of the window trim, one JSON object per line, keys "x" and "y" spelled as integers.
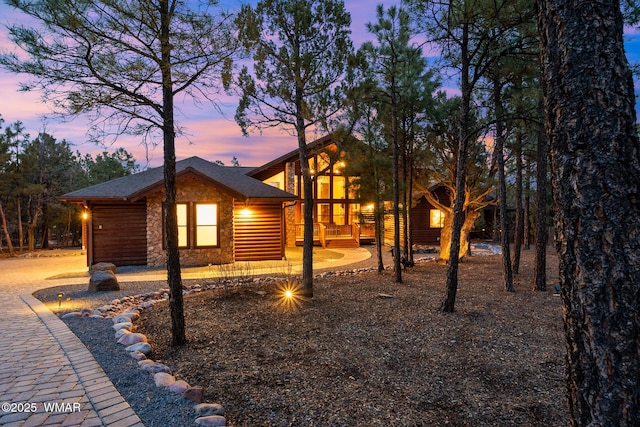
{"x": 191, "y": 227}
{"x": 197, "y": 226}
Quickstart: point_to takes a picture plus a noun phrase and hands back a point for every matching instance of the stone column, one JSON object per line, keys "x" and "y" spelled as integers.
{"x": 290, "y": 213}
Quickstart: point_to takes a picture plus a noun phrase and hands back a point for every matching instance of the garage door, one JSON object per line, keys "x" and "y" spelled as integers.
{"x": 120, "y": 234}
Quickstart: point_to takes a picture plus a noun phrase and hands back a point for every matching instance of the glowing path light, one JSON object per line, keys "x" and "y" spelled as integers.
{"x": 289, "y": 296}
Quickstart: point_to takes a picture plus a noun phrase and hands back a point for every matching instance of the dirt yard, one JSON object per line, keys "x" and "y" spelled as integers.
{"x": 366, "y": 351}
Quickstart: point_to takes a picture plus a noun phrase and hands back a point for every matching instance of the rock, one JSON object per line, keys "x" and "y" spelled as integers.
{"x": 144, "y": 363}
{"x": 104, "y": 266}
{"x": 122, "y": 325}
{"x": 138, "y": 355}
{"x": 213, "y": 420}
{"x": 72, "y": 314}
{"x": 179, "y": 386}
{"x": 155, "y": 367}
{"x": 130, "y": 316}
{"x": 194, "y": 394}
{"x": 140, "y": 347}
{"x": 207, "y": 409}
{"x": 162, "y": 379}
{"x": 131, "y": 338}
{"x": 120, "y": 332}
{"x": 103, "y": 281}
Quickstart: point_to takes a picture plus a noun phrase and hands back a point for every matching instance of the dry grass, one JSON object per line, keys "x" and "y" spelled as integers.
{"x": 366, "y": 351}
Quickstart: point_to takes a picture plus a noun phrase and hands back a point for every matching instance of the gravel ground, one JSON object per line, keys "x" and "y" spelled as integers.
{"x": 158, "y": 407}
{"x": 155, "y": 406}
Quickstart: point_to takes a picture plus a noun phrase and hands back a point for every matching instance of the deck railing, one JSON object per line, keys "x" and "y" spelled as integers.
{"x": 322, "y": 233}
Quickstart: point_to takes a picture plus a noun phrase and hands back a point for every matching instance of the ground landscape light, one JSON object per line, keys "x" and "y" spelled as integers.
{"x": 289, "y": 298}
{"x": 60, "y": 295}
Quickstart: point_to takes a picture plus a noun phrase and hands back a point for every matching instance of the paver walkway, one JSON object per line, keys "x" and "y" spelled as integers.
{"x": 47, "y": 376}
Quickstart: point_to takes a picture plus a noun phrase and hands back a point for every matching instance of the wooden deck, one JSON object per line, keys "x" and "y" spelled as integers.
{"x": 337, "y": 236}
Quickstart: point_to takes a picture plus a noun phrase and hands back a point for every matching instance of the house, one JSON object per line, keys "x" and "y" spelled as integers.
{"x": 340, "y": 218}
{"x": 426, "y": 221}
{"x": 229, "y": 214}
{"x": 223, "y": 216}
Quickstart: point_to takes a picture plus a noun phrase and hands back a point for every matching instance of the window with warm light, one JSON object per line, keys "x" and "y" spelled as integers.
{"x": 277, "y": 181}
{"x": 338, "y": 187}
{"x": 436, "y": 218}
{"x": 323, "y": 187}
{"x": 183, "y": 225}
{"x": 354, "y": 213}
{"x": 206, "y": 224}
{"x": 338, "y": 214}
{"x": 322, "y": 162}
{"x": 324, "y": 210}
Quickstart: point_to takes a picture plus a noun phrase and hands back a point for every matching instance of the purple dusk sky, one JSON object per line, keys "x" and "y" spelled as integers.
{"x": 210, "y": 135}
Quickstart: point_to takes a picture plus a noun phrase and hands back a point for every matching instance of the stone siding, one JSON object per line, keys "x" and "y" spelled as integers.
{"x": 290, "y": 211}
{"x": 191, "y": 190}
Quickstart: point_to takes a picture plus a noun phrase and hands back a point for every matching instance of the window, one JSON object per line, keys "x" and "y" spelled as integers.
{"x": 436, "y": 218}
{"x": 338, "y": 187}
{"x": 322, "y": 163}
{"x": 338, "y": 214}
{"x": 197, "y": 225}
{"x": 206, "y": 225}
{"x": 324, "y": 210}
{"x": 183, "y": 225}
{"x": 354, "y": 213}
{"x": 323, "y": 187}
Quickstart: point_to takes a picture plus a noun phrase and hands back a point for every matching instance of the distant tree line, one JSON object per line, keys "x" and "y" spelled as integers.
{"x": 33, "y": 173}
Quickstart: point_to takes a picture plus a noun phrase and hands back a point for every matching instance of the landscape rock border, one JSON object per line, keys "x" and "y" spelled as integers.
{"x": 125, "y": 312}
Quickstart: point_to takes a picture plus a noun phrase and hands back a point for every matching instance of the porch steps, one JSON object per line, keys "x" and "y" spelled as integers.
{"x": 341, "y": 242}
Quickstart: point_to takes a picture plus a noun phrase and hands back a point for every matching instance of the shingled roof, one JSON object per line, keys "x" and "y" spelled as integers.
{"x": 137, "y": 186}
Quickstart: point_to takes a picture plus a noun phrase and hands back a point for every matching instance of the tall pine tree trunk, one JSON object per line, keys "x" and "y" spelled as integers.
{"x": 519, "y": 226}
{"x": 540, "y": 266}
{"x": 379, "y": 224}
{"x": 174, "y": 275}
{"x": 5, "y": 230}
{"x": 507, "y": 274}
{"x": 20, "y": 226}
{"x": 591, "y": 122}
{"x": 306, "y": 290}
{"x": 526, "y": 208}
{"x": 448, "y": 304}
{"x": 396, "y": 186}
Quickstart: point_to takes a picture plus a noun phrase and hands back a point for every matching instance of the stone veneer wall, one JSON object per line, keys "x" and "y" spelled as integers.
{"x": 290, "y": 211}
{"x": 191, "y": 190}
